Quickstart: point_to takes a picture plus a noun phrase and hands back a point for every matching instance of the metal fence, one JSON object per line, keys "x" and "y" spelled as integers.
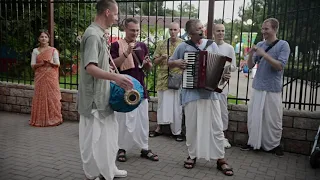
{"x": 68, "y": 19}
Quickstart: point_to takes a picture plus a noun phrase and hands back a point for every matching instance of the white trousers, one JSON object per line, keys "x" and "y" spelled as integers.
{"x": 224, "y": 110}
{"x": 170, "y": 110}
{"x": 265, "y": 120}
{"x": 134, "y": 127}
{"x": 204, "y": 133}
{"x": 98, "y": 141}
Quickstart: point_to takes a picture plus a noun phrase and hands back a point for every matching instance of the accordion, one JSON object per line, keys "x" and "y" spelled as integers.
{"x": 204, "y": 71}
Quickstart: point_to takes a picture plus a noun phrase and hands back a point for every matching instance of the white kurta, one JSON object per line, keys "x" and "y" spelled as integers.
{"x": 204, "y": 133}
{"x": 98, "y": 140}
{"x": 170, "y": 110}
{"x": 227, "y": 50}
{"x": 223, "y": 100}
{"x": 134, "y": 127}
{"x": 265, "y": 120}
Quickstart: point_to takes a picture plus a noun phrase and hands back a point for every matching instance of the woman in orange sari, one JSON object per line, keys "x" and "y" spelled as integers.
{"x": 46, "y": 105}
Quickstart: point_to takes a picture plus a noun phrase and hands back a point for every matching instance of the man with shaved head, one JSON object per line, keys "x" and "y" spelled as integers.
{"x": 169, "y": 107}
{"x": 227, "y": 50}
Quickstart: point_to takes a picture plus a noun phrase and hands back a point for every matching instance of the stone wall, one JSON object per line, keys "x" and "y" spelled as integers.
{"x": 299, "y": 127}
{"x": 18, "y": 98}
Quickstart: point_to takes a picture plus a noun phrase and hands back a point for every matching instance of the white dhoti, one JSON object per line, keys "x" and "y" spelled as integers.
{"x": 204, "y": 133}
{"x": 134, "y": 127}
{"x": 224, "y": 110}
{"x": 170, "y": 110}
{"x": 98, "y": 141}
{"x": 265, "y": 120}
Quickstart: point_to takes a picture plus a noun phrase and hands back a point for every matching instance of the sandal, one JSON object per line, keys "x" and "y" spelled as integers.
{"x": 226, "y": 169}
{"x": 121, "y": 157}
{"x": 179, "y": 138}
{"x": 188, "y": 164}
{"x": 154, "y": 134}
{"x": 148, "y": 154}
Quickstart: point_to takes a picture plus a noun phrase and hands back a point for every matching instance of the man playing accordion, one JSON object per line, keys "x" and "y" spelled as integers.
{"x": 204, "y": 128}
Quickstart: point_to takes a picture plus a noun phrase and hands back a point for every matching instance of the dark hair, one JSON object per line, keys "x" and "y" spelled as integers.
{"x": 129, "y": 20}
{"x": 191, "y": 24}
{"x": 44, "y": 31}
{"x": 103, "y": 5}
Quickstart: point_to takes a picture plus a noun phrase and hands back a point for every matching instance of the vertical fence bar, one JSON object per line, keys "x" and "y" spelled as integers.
{"x": 291, "y": 73}
{"x": 71, "y": 48}
{"x": 210, "y": 19}
{"x": 1, "y": 42}
{"x": 241, "y": 44}
{"x": 306, "y": 60}
{"x": 50, "y": 7}
{"x": 19, "y": 58}
{"x": 78, "y": 43}
{"x": 298, "y": 63}
{"x": 164, "y": 19}
{"x": 286, "y": 31}
{"x": 251, "y": 25}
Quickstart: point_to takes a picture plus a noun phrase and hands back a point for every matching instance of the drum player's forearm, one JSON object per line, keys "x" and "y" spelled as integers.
{"x": 98, "y": 73}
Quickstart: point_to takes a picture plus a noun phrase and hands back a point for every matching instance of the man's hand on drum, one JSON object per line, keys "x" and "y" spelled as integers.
{"x": 181, "y": 63}
{"x": 123, "y": 81}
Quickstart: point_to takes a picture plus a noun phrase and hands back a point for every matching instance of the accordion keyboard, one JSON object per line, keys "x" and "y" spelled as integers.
{"x": 189, "y": 74}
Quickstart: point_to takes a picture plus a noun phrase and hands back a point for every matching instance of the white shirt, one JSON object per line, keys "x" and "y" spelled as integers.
{"x": 227, "y": 50}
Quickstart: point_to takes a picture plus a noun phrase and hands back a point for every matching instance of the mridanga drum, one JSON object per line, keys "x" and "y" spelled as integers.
{"x": 125, "y": 101}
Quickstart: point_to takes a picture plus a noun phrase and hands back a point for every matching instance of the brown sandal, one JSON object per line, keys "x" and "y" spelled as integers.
{"x": 148, "y": 154}
{"x": 121, "y": 156}
{"x": 188, "y": 164}
{"x": 227, "y": 168}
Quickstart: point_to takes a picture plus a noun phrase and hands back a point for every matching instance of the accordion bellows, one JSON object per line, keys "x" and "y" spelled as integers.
{"x": 204, "y": 70}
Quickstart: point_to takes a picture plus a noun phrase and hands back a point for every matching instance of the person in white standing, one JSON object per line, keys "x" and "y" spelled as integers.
{"x": 265, "y": 109}
{"x": 204, "y": 134}
{"x": 98, "y": 127}
{"x": 226, "y": 50}
{"x": 169, "y": 106}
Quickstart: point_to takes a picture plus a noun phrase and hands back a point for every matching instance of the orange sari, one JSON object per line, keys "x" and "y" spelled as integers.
{"x": 46, "y": 105}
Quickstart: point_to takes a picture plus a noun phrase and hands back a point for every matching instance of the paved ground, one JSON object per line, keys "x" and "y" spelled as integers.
{"x": 52, "y": 153}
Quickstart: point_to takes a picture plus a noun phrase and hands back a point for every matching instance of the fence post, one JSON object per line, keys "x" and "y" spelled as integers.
{"x": 210, "y": 19}
{"x": 51, "y": 21}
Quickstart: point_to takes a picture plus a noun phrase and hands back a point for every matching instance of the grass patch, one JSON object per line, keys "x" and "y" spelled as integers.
{"x": 234, "y": 101}
{"x": 66, "y": 82}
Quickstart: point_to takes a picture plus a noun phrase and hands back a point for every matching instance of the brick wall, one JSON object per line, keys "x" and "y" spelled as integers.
{"x": 18, "y": 98}
{"x": 299, "y": 127}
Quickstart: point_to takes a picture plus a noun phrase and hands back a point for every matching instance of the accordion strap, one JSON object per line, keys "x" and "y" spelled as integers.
{"x": 209, "y": 42}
